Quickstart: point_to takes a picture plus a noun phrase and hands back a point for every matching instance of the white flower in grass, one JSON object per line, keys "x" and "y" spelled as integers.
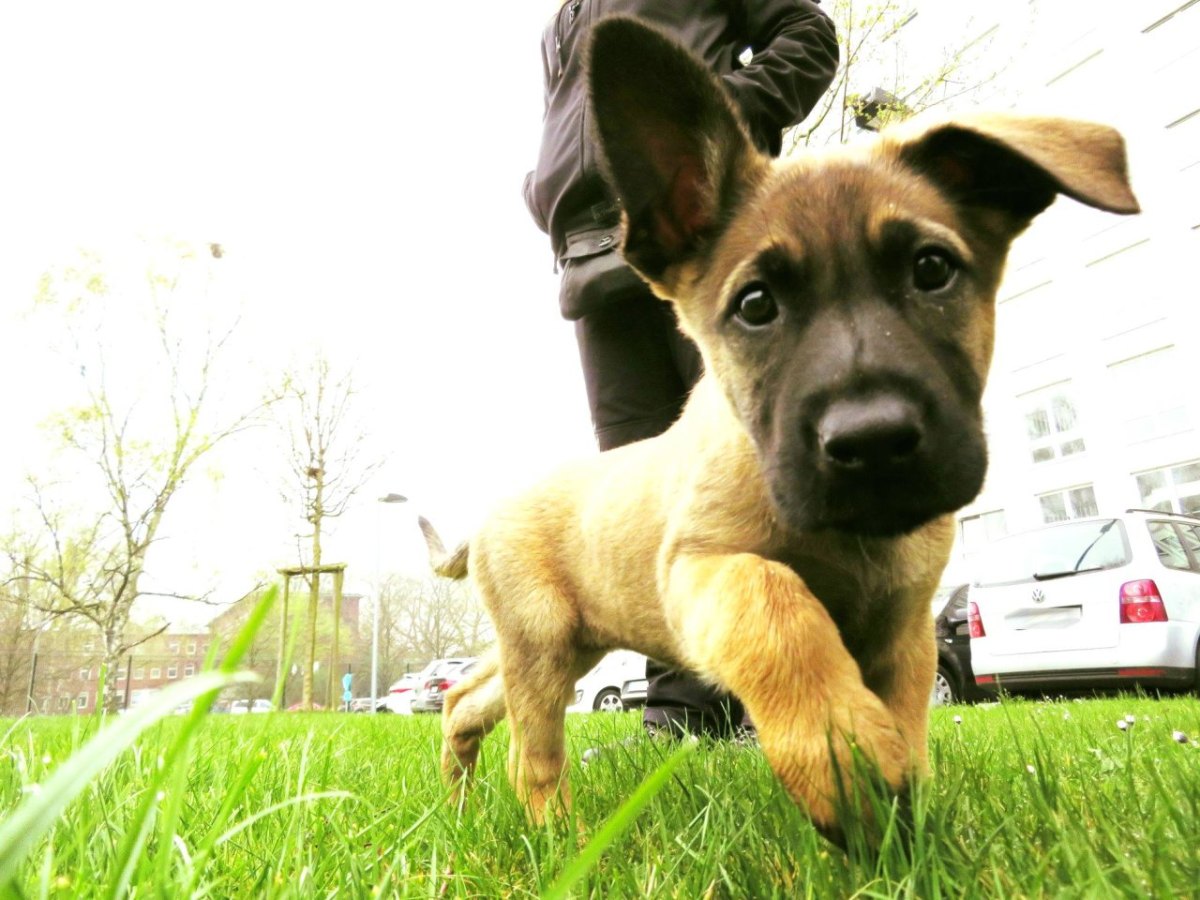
{"x": 1067, "y": 716}
{"x": 958, "y": 720}
{"x": 1179, "y": 737}
{"x": 1130, "y": 719}
{"x": 1031, "y": 770}
{"x": 46, "y": 759}
{"x": 1122, "y": 724}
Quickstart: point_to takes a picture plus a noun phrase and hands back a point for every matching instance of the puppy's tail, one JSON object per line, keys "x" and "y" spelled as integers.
{"x": 448, "y": 565}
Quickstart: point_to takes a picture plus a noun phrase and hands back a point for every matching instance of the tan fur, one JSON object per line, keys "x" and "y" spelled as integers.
{"x": 674, "y": 546}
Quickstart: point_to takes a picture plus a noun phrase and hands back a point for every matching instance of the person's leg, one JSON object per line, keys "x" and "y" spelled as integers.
{"x": 631, "y": 371}
{"x": 639, "y": 368}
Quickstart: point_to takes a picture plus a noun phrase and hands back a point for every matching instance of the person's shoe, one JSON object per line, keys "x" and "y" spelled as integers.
{"x": 746, "y": 736}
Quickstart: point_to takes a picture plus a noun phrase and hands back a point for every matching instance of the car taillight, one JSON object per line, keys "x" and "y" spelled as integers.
{"x": 974, "y": 622}
{"x": 1141, "y": 602}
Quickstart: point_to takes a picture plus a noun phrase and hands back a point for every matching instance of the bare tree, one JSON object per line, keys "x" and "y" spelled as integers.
{"x": 145, "y": 422}
{"x": 18, "y": 625}
{"x": 325, "y": 463}
{"x": 432, "y": 618}
{"x": 880, "y": 78}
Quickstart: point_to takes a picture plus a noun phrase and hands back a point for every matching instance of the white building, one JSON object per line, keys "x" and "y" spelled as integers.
{"x": 1094, "y": 400}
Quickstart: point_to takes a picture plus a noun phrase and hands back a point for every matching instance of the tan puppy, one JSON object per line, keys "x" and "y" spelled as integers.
{"x": 783, "y": 539}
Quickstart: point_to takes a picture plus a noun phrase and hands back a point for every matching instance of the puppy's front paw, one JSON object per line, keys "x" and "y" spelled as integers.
{"x": 844, "y": 767}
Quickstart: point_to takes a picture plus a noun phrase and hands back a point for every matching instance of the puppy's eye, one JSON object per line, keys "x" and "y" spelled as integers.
{"x": 755, "y": 306}
{"x": 933, "y": 270}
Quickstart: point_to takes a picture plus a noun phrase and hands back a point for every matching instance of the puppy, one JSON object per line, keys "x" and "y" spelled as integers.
{"x": 783, "y": 539}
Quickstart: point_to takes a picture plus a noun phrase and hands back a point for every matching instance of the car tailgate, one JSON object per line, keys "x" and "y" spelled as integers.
{"x": 1075, "y": 613}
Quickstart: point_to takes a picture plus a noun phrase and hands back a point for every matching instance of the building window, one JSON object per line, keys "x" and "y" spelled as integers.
{"x": 1171, "y": 489}
{"x": 1073, "y": 503}
{"x": 82, "y": 702}
{"x": 1052, "y": 425}
{"x": 120, "y": 674}
{"x": 191, "y": 648}
{"x": 139, "y": 673}
{"x": 174, "y": 648}
{"x": 979, "y": 531}
{"x": 85, "y": 674}
{"x": 189, "y": 670}
{"x": 155, "y": 672}
{"x": 172, "y": 672}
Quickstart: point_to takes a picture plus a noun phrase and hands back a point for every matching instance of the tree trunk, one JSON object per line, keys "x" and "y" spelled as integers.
{"x": 113, "y": 639}
{"x": 314, "y": 594}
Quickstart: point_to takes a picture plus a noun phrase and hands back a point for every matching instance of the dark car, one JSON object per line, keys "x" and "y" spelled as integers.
{"x": 954, "y": 682}
{"x": 431, "y": 696}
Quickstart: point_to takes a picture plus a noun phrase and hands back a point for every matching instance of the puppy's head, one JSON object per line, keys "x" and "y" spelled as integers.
{"x": 843, "y": 302}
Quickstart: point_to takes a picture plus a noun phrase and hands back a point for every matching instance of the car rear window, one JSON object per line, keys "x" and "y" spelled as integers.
{"x": 1056, "y": 552}
{"x": 1177, "y": 544}
{"x": 1166, "y": 542}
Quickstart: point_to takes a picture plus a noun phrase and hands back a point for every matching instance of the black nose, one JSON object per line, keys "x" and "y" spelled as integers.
{"x": 870, "y": 433}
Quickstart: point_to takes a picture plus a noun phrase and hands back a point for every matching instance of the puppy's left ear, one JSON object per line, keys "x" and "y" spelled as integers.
{"x": 1016, "y": 165}
{"x": 672, "y": 145}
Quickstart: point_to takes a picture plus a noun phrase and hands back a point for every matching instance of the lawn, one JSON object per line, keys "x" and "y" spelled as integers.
{"x": 1028, "y": 799}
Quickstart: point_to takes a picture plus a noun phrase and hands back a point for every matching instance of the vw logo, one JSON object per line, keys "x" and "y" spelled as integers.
{"x": 1039, "y": 596}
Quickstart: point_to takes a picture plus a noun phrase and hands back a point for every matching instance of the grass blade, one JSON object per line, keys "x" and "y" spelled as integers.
{"x": 34, "y": 817}
{"x": 617, "y": 824}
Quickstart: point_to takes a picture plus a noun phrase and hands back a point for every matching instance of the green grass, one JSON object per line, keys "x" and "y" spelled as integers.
{"x": 1028, "y": 799}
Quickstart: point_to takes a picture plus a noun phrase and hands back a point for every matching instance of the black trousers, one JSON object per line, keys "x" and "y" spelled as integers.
{"x": 639, "y": 368}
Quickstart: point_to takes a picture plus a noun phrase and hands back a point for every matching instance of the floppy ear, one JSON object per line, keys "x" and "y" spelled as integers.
{"x": 1016, "y": 165}
{"x": 671, "y": 143}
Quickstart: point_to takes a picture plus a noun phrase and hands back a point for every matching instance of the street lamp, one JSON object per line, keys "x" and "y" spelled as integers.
{"x": 386, "y": 498}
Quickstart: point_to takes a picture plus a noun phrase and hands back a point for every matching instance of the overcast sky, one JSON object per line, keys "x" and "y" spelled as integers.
{"x": 361, "y": 164}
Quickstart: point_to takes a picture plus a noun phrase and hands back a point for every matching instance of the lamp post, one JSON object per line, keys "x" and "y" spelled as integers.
{"x": 386, "y": 498}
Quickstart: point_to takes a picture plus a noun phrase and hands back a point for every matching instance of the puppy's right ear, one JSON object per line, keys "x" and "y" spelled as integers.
{"x": 672, "y": 145}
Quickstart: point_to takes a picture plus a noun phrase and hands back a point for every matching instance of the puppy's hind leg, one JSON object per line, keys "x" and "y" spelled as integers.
{"x": 472, "y": 709}
{"x": 538, "y": 692}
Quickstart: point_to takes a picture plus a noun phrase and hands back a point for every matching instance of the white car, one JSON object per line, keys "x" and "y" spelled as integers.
{"x": 241, "y": 707}
{"x": 400, "y": 694}
{"x": 407, "y": 690}
{"x": 1100, "y": 602}
{"x": 600, "y": 689}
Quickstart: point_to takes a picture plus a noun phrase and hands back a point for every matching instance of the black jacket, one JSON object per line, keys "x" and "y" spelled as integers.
{"x": 795, "y": 55}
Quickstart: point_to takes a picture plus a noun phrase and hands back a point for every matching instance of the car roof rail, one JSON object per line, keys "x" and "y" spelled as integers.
{"x": 1159, "y": 512}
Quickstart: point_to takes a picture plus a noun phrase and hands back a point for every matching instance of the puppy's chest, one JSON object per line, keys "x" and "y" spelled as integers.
{"x": 864, "y": 611}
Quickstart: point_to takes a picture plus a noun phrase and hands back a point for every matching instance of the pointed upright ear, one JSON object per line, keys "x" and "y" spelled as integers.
{"x": 671, "y": 143}
{"x": 1016, "y": 165}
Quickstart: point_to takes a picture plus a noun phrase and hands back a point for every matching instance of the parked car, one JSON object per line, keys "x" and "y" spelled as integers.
{"x": 300, "y": 707}
{"x": 400, "y": 694}
{"x": 363, "y": 704}
{"x": 600, "y": 689}
{"x": 241, "y": 707}
{"x": 955, "y": 680}
{"x": 432, "y": 694}
{"x": 633, "y": 692}
{"x": 403, "y": 694}
{"x": 1101, "y": 602}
